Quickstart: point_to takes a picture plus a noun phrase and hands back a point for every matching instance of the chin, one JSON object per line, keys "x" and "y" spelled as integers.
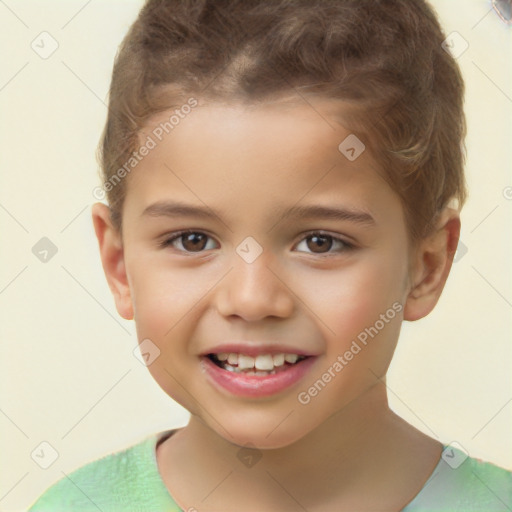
{"x": 261, "y": 434}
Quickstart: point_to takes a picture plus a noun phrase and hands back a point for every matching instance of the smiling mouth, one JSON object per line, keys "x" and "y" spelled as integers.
{"x": 260, "y": 365}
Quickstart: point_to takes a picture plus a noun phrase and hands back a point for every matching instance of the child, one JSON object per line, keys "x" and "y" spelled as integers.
{"x": 284, "y": 183}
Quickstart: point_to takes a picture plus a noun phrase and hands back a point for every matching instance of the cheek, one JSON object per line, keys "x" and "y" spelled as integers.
{"x": 360, "y": 312}
{"x": 354, "y": 297}
{"x": 162, "y": 297}
{"x": 163, "y": 302}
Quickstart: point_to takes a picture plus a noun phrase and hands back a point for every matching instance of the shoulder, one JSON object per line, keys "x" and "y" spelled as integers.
{"x": 462, "y": 483}
{"x": 127, "y": 478}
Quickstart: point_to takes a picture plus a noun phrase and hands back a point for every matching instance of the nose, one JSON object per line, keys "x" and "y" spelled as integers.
{"x": 254, "y": 291}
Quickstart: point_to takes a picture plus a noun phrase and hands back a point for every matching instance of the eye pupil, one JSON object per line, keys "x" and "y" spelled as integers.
{"x": 195, "y": 240}
{"x": 322, "y": 241}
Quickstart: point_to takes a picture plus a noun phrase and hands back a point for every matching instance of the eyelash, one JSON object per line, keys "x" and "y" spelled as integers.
{"x": 347, "y": 245}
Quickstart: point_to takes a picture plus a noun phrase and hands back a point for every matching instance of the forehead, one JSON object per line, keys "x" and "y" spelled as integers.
{"x": 267, "y": 155}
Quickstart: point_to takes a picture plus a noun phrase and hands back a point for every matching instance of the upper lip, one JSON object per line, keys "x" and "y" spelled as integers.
{"x": 255, "y": 349}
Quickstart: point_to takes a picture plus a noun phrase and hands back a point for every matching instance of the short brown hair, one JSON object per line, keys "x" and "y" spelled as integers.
{"x": 382, "y": 58}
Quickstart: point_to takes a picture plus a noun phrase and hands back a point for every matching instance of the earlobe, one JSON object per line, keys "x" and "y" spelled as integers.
{"x": 434, "y": 258}
{"x": 112, "y": 259}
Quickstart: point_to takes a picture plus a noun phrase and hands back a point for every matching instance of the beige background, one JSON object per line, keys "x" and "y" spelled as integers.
{"x": 69, "y": 376}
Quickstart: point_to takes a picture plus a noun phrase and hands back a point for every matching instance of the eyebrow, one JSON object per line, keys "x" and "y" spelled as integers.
{"x": 177, "y": 209}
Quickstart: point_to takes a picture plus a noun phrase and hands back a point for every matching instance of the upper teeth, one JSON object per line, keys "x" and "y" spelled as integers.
{"x": 260, "y": 362}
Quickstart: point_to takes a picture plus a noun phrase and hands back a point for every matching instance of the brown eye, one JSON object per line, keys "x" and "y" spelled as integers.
{"x": 189, "y": 241}
{"x": 319, "y": 243}
{"x": 194, "y": 241}
{"x": 324, "y": 244}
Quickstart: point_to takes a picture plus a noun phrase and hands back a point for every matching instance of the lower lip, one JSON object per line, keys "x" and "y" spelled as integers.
{"x": 240, "y": 384}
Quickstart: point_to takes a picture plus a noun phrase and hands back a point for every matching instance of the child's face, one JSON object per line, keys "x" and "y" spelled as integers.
{"x": 301, "y": 295}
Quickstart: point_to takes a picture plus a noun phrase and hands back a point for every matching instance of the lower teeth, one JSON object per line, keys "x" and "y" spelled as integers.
{"x": 247, "y": 371}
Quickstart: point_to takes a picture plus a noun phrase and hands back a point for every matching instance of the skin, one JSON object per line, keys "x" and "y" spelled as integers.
{"x": 345, "y": 449}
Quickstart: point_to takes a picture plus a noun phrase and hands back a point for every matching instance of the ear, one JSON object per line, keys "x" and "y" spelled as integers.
{"x": 431, "y": 265}
{"x": 112, "y": 259}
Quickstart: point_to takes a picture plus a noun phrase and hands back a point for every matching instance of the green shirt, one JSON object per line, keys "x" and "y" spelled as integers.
{"x": 129, "y": 481}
